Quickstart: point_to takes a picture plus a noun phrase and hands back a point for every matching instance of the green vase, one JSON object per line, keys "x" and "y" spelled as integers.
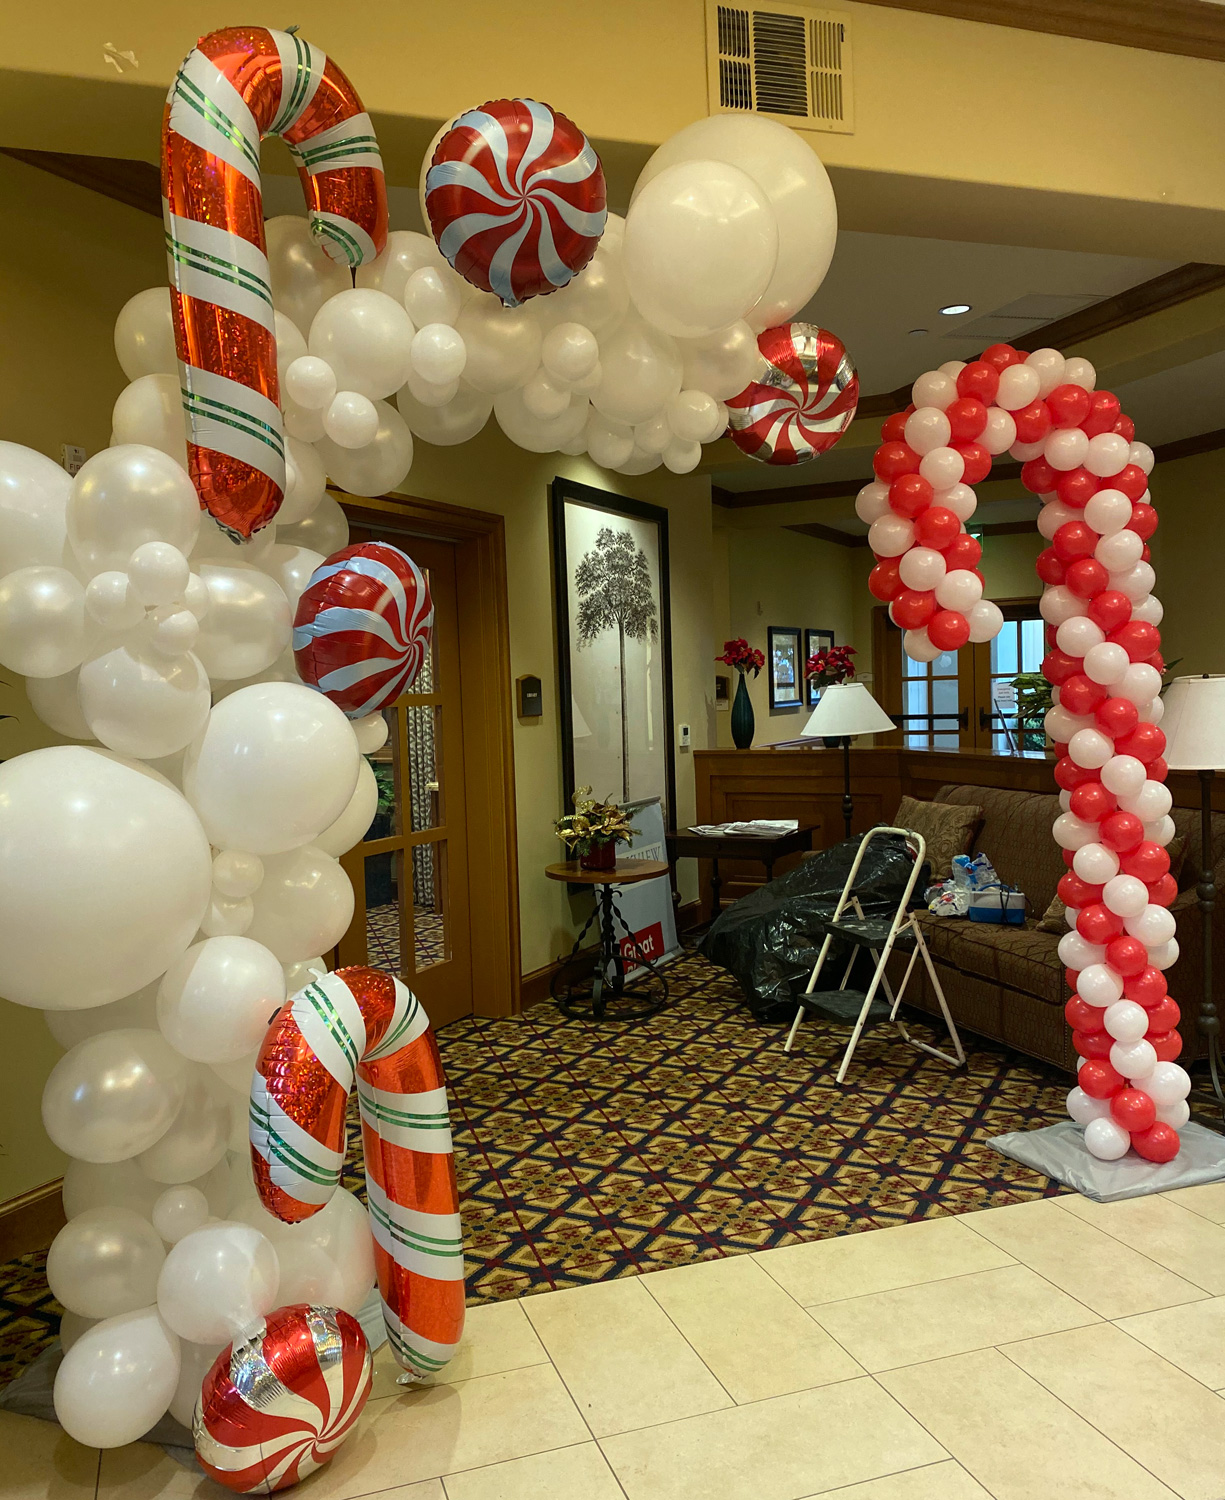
{"x": 742, "y": 717}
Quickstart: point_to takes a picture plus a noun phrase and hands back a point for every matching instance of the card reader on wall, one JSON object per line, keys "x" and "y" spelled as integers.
{"x": 531, "y": 698}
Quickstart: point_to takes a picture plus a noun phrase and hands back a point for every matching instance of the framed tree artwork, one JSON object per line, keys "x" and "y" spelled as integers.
{"x": 786, "y": 666}
{"x": 614, "y": 657}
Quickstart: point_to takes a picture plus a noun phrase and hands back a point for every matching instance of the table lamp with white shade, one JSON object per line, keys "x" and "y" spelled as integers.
{"x": 1194, "y": 728}
{"x": 846, "y": 709}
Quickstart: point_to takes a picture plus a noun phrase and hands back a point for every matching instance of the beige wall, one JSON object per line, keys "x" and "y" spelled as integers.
{"x": 1189, "y": 558}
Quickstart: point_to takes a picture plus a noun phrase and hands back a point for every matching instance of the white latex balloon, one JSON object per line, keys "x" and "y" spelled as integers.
{"x": 871, "y": 503}
{"x": 530, "y": 432}
{"x": 1125, "y": 896}
{"x": 680, "y": 456}
{"x": 927, "y": 428}
{"x": 33, "y": 503}
{"x": 960, "y": 590}
{"x": 1119, "y": 551}
{"x": 1053, "y": 515}
{"x": 302, "y": 422}
{"x": 104, "y": 874}
{"x": 125, "y": 496}
{"x": 197, "y": 1138}
{"x": 105, "y": 1261}
{"x": 1019, "y": 385}
{"x": 217, "y": 1282}
{"x": 693, "y": 416}
{"x": 1142, "y": 456}
{"x": 1140, "y": 683}
{"x": 609, "y": 443}
{"x": 597, "y": 297}
{"x": 1049, "y": 364}
{"x": 1084, "y": 1107}
{"x": 1126, "y": 1021}
{"x": 1154, "y": 926}
{"x": 922, "y": 567}
{"x": 325, "y": 530}
{"x": 72, "y": 1326}
{"x": 351, "y": 420}
{"x": 55, "y": 701}
{"x": 1071, "y": 832}
{"x": 112, "y": 1096}
{"x": 432, "y": 295}
{"x": 642, "y": 372}
{"x": 42, "y": 621}
{"x": 365, "y": 336}
{"x": 891, "y": 536}
{"x": 1136, "y": 582}
{"x": 934, "y": 388}
{"x": 326, "y": 1259}
{"x": 177, "y": 1212}
{"x": 173, "y": 631}
{"x": 544, "y": 398}
{"x": 142, "y": 703}
{"x": 150, "y": 411}
{"x": 1078, "y": 635}
{"x": 305, "y": 483}
{"x": 226, "y": 917}
{"x": 502, "y": 343}
{"x": 157, "y": 573}
{"x": 117, "y": 1380}
{"x": 378, "y": 467}
{"x": 276, "y": 764}
{"x": 701, "y": 244}
{"x": 371, "y": 732}
{"x": 1098, "y": 984}
{"x": 406, "y": 253}
{"x": 1095, "y": 863}
{"x": 986, "y": 620}
{"x": 302, "y": 276}
{"x": 456, "y": 421}
{"x": 569, "y": 352}
{"x": 1108, "y": 453}
{"x": 144, "y": 335}
{"x": 217, "y": 546}
{"x": 237, "y": 873}
{"x": 1151, "y": 802}
{"x": 1065, "y": 448}
{"x": 1106, "y": 663}
{"x": 438, "y": 353}
{"x": 304, "y": 905}
{"x": 216, "y": 1001}
{"x": 248, "y": 623}
{"x": 999, "y": 434}
{"x": 721, "y": 364}
{"x": 1166, "y": 1085}
{"x": 1106, "y": 1139}
{"x": 1133, "y": 1059}
{"x": 1169, "y": 1114}
{"x": 195, "y": 1361}
{"x": 350, "y": 828}
{"x": 1078, "y": 371}
{"x": 918, "y": 646}
{"x": 311, "y": 382}
{"x": 942, "y": 467}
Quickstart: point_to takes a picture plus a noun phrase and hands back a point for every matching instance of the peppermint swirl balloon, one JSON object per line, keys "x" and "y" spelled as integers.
{"x": 363, "y": 627}
{"x": 275, "y": 1407}
{"x": 803, "y": 403}
{"x": 516, "y": 198}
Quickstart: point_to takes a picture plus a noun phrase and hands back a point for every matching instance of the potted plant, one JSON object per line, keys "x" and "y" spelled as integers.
{"x": 830, "y": 665}
{"x": 593, "y": 830}
{"x": 744, "y": 658}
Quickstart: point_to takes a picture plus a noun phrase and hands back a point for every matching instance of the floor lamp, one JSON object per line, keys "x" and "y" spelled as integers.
{"x": 1194, "y": 727}
{"x": 846, "y": 709}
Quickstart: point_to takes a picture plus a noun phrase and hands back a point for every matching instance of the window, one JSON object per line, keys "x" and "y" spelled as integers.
{"x": 931, "y": 688}
{"x": 1018, "y": 648}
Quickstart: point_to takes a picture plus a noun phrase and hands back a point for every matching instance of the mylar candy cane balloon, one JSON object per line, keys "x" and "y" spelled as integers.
{"x": 236, "y": 86}
{"x": 516, "y": 198}
{"x": 363, "y": 627}
{"x": 359, "y": 1024}
{"x": 276, "y": 1406}
{"x": 804, "y": 401}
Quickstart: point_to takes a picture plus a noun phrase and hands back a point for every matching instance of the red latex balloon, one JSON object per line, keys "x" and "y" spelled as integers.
{"x": 1131, "y": 479}
{"x": 1117, "y": 716}
{"x": 1068, "y": 854}
{"x": 910, "y": 495}
{"x": 1081, "y": 1016}
{"x": 1086, "y": 577}
{"x": 1104, "y": 410}
{"x": 1091, "y": 802}
{"x": 1166, "y": 1044}
{"x": 1138, "y": 638}
{"x": 1148, "y": 988}
{"x": 967, "y": 418}
{"x": 1143, "y": 521}
{"x": 1147, "y": 861}
{"x": 1163, "y": 892}
{"x": 1000, "y": 356}
{"x": 1121, "y": 831}
{"x": 1069, "y": 775}
{"x": 893, "y": 429}
{"x": 979, "y": 380}
{"x": 1048, "y": 566}
{"x": 1158, "y": 1143}
{"x": 1098, "y": 924}
{"x": 1069, "y": 405}
{"x": 1092, "y": 1043}
{"x": 1157, "y": 768}
{"x": 1127, "y": 955}
{"x": 1080, "y": 694}
{"x": 1033, "y": 422}
{"x": 893, "y": 459}
{"x": 1074, "y": 541}
{"x": 1164, "y": 1016}
{"x": 1146, "y": 742}
{"x": 1038, "y": 477}
{"x": 1126, "y": 428}
{"x": 1058, "y": 666}
{"x": 1133, "y": 1110}
{"x": 948, "y": 629}
{"x": 1073, "y": 891}
{"x": 1071, "y": 977}
{"x": 1099, "y": 1080}
{"x": 963, "y": 551}
{"x": 1077, "y": 487}
{"x": 1110, "y": 609}
{"x": 977, "y": 461}
{"x": 913, "y": 608}
{"x": 937, "y": 526}
{"x": 884, "y": 581}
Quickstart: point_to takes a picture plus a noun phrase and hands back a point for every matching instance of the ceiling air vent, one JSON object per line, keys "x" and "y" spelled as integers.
{"x": 789, "y": 62}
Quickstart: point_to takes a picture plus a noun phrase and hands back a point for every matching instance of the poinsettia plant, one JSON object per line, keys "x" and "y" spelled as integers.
{"x": 742, "y": 656}
{"x": 833, "y": 664}
{"x": 592, "y": 822}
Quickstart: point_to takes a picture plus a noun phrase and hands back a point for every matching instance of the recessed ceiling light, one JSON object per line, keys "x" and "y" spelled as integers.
{"x": 954, "y": 308}
{"x": 917, "y": 332}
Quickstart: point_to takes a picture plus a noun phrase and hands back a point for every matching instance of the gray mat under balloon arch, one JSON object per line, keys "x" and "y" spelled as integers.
{"x": 1059, "y": 1151}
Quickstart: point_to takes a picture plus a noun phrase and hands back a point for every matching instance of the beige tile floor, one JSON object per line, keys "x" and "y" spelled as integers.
{"x": 1055, "y": 1350}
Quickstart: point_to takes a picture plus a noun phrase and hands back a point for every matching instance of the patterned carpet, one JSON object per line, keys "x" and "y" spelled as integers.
{"x": 586, "y": 1152}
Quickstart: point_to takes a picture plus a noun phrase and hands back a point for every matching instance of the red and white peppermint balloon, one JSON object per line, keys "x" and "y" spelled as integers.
{"x": 516, "y": 198}
{"x": 803, "y": 403}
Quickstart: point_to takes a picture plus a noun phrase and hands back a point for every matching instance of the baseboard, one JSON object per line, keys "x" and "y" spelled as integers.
{"x": 31, "y": 1221}
{"x": 534, "y": 987}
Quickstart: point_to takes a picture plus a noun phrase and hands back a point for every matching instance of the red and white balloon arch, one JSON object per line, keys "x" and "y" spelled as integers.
{"x": 1079, "y": 454}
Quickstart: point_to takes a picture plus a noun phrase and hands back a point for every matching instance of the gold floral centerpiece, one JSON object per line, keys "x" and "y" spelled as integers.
{"x": 593, "y": 830}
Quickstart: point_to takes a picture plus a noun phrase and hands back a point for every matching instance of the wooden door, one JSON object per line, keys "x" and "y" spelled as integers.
{"x": 410, "y": 873}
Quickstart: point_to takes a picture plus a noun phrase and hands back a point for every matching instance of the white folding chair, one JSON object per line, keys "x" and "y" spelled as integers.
{"x": 880, "y": 935}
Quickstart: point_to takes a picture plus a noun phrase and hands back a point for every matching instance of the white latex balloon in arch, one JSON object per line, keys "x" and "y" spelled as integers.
{"x": 105, "y": 1262}
{"x": 114, "y": 1095}
{"x": 217, "y": 1282}
{"x": 124, "y": 496}
{"x": 216, "y": 1000}
{"x": 33, "y": 504}
{"x": 117, "y": 1380}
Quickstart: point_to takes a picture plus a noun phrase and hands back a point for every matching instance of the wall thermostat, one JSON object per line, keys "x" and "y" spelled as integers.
{"x": 531, "y": 699}
{"x": 682, "y": 736}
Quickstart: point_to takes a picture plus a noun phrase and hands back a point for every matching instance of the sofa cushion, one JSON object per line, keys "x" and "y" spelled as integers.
{"x": 947, "y": 829}
{"x": 1016, "y": 837}
{"x": 1021, "y": 958}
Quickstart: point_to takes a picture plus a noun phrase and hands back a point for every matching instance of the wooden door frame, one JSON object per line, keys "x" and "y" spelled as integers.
{"x": 488, "y": 730}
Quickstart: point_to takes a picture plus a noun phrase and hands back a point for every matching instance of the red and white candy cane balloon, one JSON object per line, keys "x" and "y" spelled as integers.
{"x": 235, "y": 87}
{"x": 1104, "y": 664}
{"x": 359, "y": 1024}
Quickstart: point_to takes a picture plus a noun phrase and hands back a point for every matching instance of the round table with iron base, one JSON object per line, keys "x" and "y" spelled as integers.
{"x": 600, "y": 993}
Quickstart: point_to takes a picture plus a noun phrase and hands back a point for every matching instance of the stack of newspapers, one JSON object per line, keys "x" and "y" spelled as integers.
{"x": 761, "y": 828}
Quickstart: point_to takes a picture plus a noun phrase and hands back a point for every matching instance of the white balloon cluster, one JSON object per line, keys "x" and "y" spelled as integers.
{"x": 163, "y": 887}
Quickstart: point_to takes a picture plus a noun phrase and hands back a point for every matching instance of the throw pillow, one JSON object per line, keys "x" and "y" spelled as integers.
{"x": 948, "y": 828}
{"x": 1053, "y": 918}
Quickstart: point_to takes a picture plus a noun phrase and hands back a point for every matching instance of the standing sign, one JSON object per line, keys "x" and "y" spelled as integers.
{"x": 647, "y": 907}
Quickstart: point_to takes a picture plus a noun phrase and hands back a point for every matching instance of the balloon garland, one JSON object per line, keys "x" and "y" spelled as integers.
{"x": 1104, "y": 665}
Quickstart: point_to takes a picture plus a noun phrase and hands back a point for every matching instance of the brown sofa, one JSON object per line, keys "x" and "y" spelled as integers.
{"x": 1007, "y": 982}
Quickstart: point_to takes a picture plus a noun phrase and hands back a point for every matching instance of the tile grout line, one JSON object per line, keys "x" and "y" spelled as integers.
{"x": 1119, "y": 1240}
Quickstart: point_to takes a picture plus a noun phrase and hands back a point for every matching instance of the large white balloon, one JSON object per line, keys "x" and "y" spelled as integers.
{"x": 33, "y": 502}
{"x": 215, "y": 1002}
{"x": 795, "y": 184}
{"x": 195, "y": 1361}
{"x": 406, "y": 252}
{"x": 304, "y": 905}
{"x": 117, "y": 1379}
{"x": 328, "y": 1258}
{"x": 55, "y": 701}
{"x": 597, "y": 297}
{"x": 305, "y": 483}
{"x": 197, "y": 1138}
{"x": 43, "y": 626}
{"x": 144, "y": 335}
{"x": 248, "y": 623}
{"x": 503, "y": 345}
{"x": 217, "y": 1282}
{"x": 325, "y": 530}
{"x": 701, "y": 244}
{"x": 125, "y": 496}
{"x": 642, "y": 372}
{"x": 530, "y": 432}
{"x": 105, "y": 873}
{"x": 150, "y": 411}
{"x": 276, "y": 764}
{"x": 112, "y": 1096}
{"x": 351, "y": 826}
{"x": 723, "y": 363}
{"x": 457, "y": 420}
{"x": 105, "y": 1261}
{"x": 292, "y": 567}
{"x": 142, "y": 703}
{"x": 302, "y": 276}
{"x": 380, "y": 465}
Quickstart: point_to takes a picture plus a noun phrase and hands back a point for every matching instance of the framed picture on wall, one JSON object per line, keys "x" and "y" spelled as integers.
{"x": 815, "y": 640}
{"x": 786, "y": 666}
{"x": 614, "y": 651}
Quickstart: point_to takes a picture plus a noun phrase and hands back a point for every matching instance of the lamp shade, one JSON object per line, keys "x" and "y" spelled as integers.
{"x": 847, "y": 708}
{"x": 1194, "y": 724}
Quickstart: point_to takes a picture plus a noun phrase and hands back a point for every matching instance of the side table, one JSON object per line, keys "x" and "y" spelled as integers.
{"x": 682, "y": 844}
{"x": 592, "y": 998}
